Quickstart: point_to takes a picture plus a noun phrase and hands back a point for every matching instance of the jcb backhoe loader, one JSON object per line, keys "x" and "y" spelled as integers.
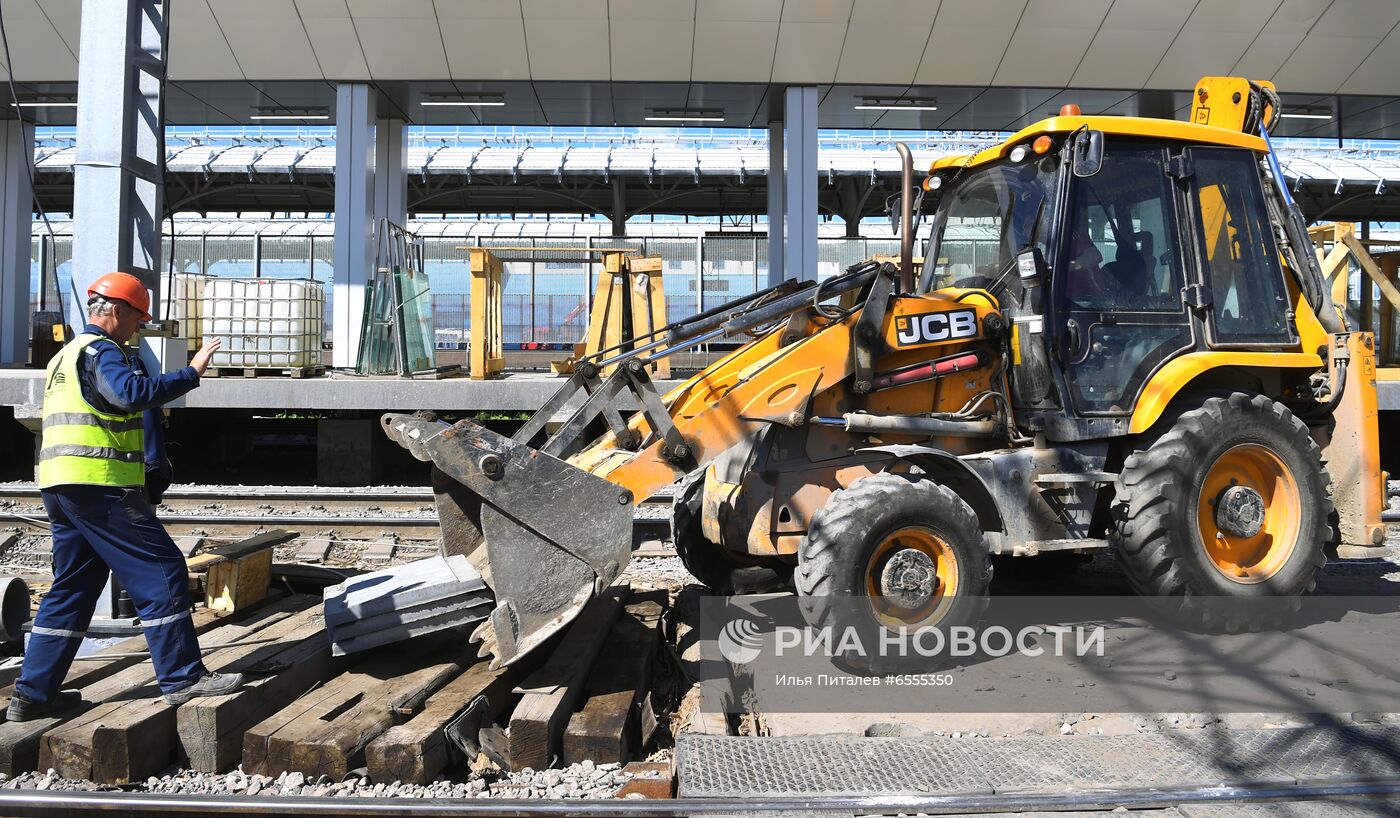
{"x": 1120, "y": 338}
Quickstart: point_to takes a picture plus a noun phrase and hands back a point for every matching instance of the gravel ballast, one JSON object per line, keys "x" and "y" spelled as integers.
{"x": 584, "y": 780}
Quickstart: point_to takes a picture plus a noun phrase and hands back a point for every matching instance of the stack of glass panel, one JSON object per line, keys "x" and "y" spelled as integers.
{"x": 396, "y": 337}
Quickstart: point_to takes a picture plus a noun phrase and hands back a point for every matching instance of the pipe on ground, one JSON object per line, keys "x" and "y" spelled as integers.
{"x": 14, "y": 608}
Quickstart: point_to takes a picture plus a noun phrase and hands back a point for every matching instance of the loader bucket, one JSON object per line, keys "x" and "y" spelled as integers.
{"x": 545, "y": 535}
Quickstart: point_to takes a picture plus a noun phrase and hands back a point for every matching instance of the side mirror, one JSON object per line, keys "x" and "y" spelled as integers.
{"x": 1030, "y": 265}
{"x": 1087, "y": 152}
{"x": 894, "y": 205}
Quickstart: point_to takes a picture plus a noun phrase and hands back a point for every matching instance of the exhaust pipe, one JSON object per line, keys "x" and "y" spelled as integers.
{"x": 906, "y": 219}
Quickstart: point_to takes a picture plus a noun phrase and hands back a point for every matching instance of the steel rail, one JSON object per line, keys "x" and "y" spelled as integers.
{"x": 47, "y": 803}
{"x": 235, "y": 493}
{"x": 37, "y": 520}
{"x": 20, "y": 518}
{"x": 28, "y": 491}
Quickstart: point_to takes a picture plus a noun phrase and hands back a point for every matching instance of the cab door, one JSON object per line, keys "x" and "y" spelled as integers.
{"x": 1118, "y": 289}
{"x": 1241, "y": 268}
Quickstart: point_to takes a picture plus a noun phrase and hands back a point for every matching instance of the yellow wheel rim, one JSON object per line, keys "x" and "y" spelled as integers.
{"x": 911, "y": 578}
{"x": 1249, "y": 513}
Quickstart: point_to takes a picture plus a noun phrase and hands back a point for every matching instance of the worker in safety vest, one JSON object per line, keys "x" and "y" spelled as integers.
{"x": 92, "y": 474}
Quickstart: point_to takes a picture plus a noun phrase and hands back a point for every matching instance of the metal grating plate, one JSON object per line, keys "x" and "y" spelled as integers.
{"x": 731, "y": 766}
{"x": 1085, "y": 762}
{"x": 717, "y": 766}
{"x": 1313, "y": 754}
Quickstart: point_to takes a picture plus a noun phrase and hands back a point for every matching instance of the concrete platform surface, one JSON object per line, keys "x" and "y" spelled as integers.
{"x": 23, "y": 389}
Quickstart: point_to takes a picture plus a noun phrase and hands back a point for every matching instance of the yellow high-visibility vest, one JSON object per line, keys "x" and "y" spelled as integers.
{"x": 80, "y": 445}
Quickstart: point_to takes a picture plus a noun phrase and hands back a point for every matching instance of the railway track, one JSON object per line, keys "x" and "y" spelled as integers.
{"x": 1376, "y": 798}
{"x": 405, "y": 513}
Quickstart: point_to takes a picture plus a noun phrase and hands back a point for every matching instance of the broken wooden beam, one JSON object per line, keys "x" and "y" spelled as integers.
{"x": 98, "y": 682}
{"x": 211, "y": 728}
{"x": 608, "y": 726}
{"x": 648, "y": 779}
{"x": 548, "y": 695}
{"x": 340, "y": 746}
{"x": 698, "y": 712}
{"x": 325, "y": 733}
{"x": 89, "y": 672}
{"x": 416, "y": 751}
{"x": 132, "y": 734}
{"x": 266, "y": 749}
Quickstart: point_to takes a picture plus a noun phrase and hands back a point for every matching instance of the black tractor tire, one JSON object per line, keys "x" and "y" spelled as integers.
{"x": 702, "y": 558}
{"x": 836, "y": 559}
{"x": 1160, "y": 528}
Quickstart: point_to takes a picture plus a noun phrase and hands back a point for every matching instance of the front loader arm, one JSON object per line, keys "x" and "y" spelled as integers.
{"x": 555, "y": 532}
{"x": 550, "y": 527}
{"x": 722, "y": 405}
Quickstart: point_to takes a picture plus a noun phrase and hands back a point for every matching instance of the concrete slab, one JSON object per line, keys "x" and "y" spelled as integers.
{"x": 378, "y": 552}
{"x": 400, "y": 588}
{"x": 315, "y": 549}
{"x": 444, "y": 607}
{"x": 410, "y": 630}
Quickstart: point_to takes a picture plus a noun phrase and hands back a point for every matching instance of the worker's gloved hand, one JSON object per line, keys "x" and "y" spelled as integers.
{"x": 158, "y": 479}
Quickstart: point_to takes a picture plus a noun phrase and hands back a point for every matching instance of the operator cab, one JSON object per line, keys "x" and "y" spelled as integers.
{"x": 1139, "y": 241}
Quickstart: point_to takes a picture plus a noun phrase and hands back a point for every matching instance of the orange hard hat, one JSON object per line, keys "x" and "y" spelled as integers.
{"x": 124, "y": 287}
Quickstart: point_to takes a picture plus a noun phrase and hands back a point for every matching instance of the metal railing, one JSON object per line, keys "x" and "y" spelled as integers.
{"x": 544, "y": 301}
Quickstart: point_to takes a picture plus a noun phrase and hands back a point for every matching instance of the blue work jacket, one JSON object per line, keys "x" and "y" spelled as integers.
{"x": 115, "y": 384}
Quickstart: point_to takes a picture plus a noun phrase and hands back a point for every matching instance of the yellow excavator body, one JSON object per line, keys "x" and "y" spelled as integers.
{"x": 1120, "y": 338}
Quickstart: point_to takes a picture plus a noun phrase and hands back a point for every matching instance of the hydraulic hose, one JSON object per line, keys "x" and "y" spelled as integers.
{"x": 861, "y": 423}
{"x": 1307, "y": 270}
{"x": 1339, "y": 370}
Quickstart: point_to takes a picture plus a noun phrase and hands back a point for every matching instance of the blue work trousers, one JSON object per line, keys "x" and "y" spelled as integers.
{"x": 96, "y": 528}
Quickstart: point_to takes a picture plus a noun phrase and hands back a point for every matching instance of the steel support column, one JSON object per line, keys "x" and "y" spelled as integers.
{"x": 118, "y": 185}
{"x": 800, "y": 182}
{"x": 391, "y": 172}
{"x": 776, "y": 187}
{"x": 354, "y": 215}
{"x": 619, "y": 208}
{"x": 16, "y": 217}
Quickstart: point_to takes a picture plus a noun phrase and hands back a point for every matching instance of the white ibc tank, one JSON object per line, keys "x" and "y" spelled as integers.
{"x": 265, "y": 322}
{"x": 187, "y": 306}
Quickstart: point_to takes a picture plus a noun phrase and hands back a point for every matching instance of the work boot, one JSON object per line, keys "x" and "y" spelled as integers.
{"x": 213, "y": 684}
{"x": 22, "y": 709}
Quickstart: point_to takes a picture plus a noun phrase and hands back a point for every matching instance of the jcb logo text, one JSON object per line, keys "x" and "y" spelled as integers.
{"x": 935, "y": 326}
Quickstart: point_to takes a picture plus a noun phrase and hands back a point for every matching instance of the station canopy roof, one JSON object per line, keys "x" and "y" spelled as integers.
{"x": 899, "y": 64}
{"x": 686, "y": 172}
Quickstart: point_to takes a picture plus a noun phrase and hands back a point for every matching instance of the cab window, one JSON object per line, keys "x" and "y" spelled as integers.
{"x": 994, "y": 213}
{"x": 1240, "y": 260}
{"x": 1121, "y": 239}
{"x": 1119, "y": 307}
